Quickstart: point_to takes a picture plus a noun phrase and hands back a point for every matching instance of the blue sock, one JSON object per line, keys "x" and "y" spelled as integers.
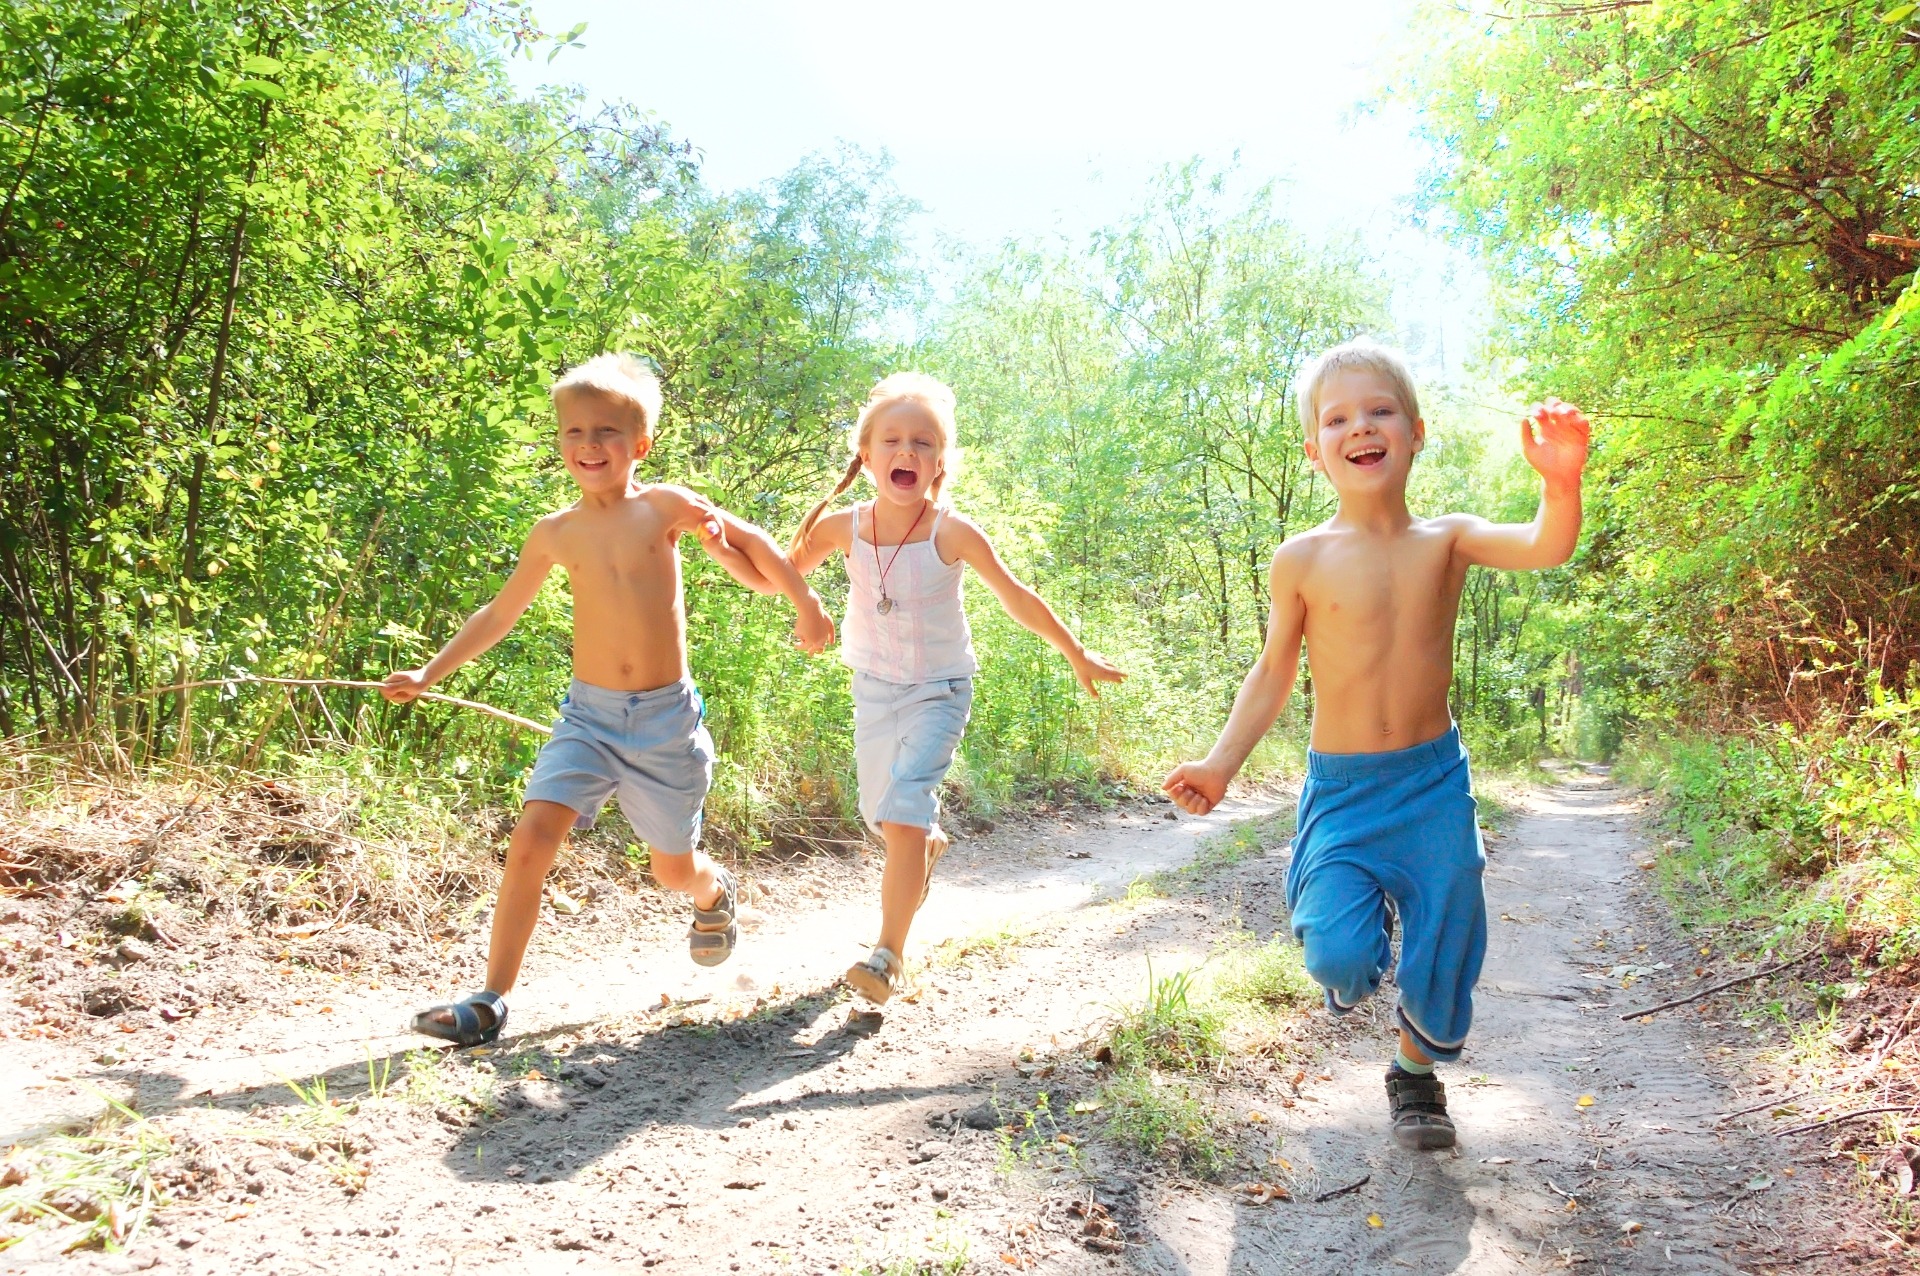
{"x": 1405, "y": 1064}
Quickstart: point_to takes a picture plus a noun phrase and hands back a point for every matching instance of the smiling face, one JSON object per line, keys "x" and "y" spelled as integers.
{"x": 1365, "y": 438}
{"x": 600, "y": 439}
{"x": 904, "y": 451}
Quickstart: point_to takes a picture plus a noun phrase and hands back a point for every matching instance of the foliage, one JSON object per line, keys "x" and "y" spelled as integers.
{"x": 1801, "y": 827}
{"x": 1686, "y": 210}
{"x": 283, "y": 292}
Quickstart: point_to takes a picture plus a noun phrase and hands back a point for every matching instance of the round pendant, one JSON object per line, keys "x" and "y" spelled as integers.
{"x": 884, "y": 606}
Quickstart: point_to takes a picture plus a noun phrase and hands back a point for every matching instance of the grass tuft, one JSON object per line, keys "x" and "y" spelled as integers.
{"x": 95, "y": 1190}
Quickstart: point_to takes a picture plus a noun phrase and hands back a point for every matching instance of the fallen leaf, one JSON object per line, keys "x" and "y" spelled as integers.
{"x": 1496, "y": 1160}
{"x": 1089, "y": 1105}
{"x": 563, "y": 902}
{"x": 1374, "y": 1220}
{"x": 1631, "y": 1228}
{"x": 1256, "y": 1118}
{"x": 1585, "y": 1101}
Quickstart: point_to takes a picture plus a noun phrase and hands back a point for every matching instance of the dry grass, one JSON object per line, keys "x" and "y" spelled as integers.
{"x": 294, "y": 856}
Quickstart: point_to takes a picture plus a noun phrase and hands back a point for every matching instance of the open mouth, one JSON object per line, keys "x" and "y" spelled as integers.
{"x": 592, "y": 466}
{"x": 903, "y": 479}
{"x": 1367, "y": 457}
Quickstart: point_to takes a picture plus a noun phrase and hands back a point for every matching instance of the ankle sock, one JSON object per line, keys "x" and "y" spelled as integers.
{"x": 1405, "y": 1064}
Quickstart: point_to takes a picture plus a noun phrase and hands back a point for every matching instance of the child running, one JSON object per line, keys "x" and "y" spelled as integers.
{"x": 907, "y": 640}
{"x": 1387, "y": 816}
{"x": 632, "y": 722}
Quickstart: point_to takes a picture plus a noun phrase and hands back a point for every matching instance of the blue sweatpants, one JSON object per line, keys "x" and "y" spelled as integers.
{"x": 1399, "y": 826}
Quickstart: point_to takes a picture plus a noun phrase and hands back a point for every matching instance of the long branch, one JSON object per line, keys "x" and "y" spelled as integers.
{"x": 1727, "y": 983}
{"x": 474, "y": 705}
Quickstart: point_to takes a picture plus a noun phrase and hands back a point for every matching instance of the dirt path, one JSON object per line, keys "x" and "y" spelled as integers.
{"x": 752, "y": 1124}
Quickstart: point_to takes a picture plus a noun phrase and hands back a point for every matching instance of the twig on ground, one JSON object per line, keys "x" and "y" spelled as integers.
{"x": 1354, "y": 1186}
{"x": 1723, "y": 984}
{"x": 1848, "y": 1116}
{"x": 474, "y": 705}
{"x": 1779, "y": 1101}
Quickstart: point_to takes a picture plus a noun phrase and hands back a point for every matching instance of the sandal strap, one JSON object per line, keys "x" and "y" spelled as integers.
{"x": 721, "y": 915}
{"x": 1417, "y": 1094}
{"x": 466, "y": 1028}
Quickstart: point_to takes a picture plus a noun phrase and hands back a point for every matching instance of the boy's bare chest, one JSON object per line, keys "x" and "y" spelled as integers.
{"x": 632, "y": 551}
{"x": 1370, "y": 588}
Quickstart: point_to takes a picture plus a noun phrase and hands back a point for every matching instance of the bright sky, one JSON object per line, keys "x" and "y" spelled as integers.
{"x": 1045, "y": 117}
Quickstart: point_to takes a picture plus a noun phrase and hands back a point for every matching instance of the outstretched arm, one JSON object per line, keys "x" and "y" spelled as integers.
{"x": 812, "y": 628}
{"x": 485, "y": 627}
{"x": 972, "y": 547}
{"x": 1559, "y": 453}
{"x": 1198, "y": 787}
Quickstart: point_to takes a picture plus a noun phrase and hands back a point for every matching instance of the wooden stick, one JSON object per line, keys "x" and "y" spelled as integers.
{"x": 1726, "y": 983}
{"x": 1893, "y": 241}
{"x": 474, "y": 705}
{"x": 1847, "y": 1116}
{"x": 1354, "y": 1186}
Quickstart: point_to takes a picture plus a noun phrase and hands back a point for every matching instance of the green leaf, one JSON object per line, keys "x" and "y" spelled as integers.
{"x": 262, "y": 88}
{"x": 1899, "y": 13}
{"x": 260, "y": 64}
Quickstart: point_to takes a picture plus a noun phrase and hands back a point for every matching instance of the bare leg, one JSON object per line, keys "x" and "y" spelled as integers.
{"x": 537, "y": 838}
{"x": 1411, "y": 1048}
{"x": 901, "y": 884}
{"x": 692, "y": 872}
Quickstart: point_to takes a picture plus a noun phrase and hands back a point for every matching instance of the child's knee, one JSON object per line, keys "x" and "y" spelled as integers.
{"x": 1348, "y": 969}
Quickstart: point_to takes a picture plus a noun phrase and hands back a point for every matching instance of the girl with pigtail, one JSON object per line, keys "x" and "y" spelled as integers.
{"x": 907, "y": 640}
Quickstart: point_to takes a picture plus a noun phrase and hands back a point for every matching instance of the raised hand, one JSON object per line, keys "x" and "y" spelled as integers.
{"x": 1091, "y": 667}
{"x": 403, "y": 685}
{"x": 1197, "y": 787}
{"x": 1559, "y": 452}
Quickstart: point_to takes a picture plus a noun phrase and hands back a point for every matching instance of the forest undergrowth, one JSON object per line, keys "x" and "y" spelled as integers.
{"x": 1796, "y": 848}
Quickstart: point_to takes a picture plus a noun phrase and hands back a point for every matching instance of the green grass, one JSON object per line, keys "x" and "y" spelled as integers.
{"x": 1800, "y": 829}
{"x": 1157, "y": 1113}
{"x": 1240, "y": 841}
{"x": 1269, "y": 977}
{"x": 1173, "y": 1028}
{"x": 98, "y": 1189}
{"x": 1170, "y": 1050}
{"x": 943, "y": 1257}
{"x": 995, "y": 944}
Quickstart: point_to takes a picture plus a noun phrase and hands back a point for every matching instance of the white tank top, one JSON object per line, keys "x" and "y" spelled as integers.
{"x": 923, "y": 636}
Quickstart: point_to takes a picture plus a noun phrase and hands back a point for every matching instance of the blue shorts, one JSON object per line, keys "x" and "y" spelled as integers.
{"x": 651, "y": 748}
{"x": 1400, "y": 826}
{"x": 904, "y": 736}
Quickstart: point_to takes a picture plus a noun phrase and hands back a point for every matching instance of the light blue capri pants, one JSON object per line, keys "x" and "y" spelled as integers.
{"x": 1399, "y": 826}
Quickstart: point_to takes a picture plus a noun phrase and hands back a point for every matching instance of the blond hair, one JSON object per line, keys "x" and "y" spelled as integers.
{"x": 623, "y": 378}
{"x": 1362, "y": 354}
{"x": 901, "y": 387}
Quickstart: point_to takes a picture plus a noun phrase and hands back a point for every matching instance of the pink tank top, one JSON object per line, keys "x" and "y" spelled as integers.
{"x": 923, "y": 636}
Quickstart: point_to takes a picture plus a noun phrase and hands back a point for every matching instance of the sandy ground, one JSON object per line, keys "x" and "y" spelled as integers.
{"x": 649, "y": 1114}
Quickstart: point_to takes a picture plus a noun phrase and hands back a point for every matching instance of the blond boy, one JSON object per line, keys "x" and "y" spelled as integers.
{"x": 632, "y": 722}
{"x": 1387, "y": 817}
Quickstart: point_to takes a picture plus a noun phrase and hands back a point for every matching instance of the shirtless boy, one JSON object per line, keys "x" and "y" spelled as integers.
{"x": 631, "y": 724}
{"x": 1387, "y": 810}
